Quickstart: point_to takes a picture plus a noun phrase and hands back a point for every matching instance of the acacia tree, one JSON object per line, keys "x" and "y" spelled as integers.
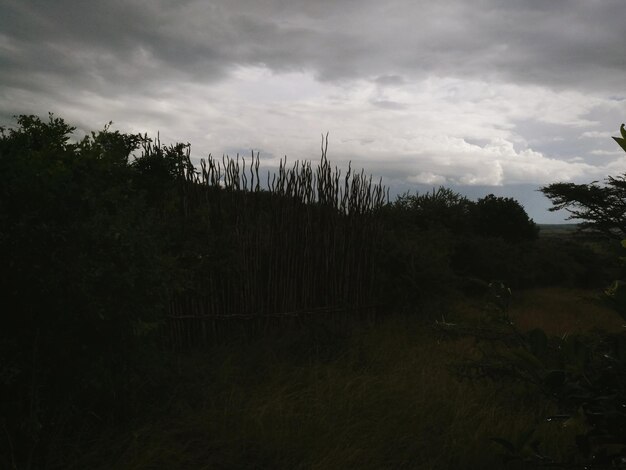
{"x": 600, "y": 208}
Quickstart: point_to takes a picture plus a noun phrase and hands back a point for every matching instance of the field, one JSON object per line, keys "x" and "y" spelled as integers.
{"x": 556, "y": 230}
{"x": 375, "y": 396}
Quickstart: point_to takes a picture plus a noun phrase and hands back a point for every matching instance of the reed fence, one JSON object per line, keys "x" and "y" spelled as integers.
{"x": 302, "y": 243}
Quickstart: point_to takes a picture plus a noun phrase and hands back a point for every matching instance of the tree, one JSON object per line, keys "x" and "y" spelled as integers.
{"x": 439, "y": 209}
{"x": 503, "y": 217}
{"x": 601, "y": 208}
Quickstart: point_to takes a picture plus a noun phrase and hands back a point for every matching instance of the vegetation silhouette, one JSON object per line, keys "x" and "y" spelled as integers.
{"x": 123, "y": 260}
{"x": 598, "y": 208}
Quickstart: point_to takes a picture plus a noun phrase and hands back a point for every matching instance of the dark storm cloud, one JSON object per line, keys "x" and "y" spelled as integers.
{"x": 574, "y": 43}
{"x": 91, "y": 43}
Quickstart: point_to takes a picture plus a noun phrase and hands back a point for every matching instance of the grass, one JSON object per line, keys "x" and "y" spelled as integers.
{"x": 375, "y": 397}
{"x": 557, "y": 230}
{"x": 559, "y": 311}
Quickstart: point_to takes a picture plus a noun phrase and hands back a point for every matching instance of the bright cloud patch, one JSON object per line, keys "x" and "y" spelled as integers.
{"x": 431, "y": 131}
{"x": 427, "y": 177}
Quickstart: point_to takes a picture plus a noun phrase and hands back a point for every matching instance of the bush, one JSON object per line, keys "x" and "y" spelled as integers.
{"x": 83, "y": 271}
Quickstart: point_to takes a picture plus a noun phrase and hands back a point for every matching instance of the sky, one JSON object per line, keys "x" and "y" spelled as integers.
{"x": 482, "y": 96}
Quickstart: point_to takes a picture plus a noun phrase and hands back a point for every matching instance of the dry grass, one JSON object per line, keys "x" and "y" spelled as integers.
{"x": 381, "y": 397}
{"x": 559, "y": 311}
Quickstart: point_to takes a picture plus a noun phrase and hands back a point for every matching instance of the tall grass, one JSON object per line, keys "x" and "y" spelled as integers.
{"x": 374, "y": 397}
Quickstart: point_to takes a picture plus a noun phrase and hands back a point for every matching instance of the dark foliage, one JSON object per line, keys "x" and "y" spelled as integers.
{"x": 102, "y": 248}
{"x": 584, "y": 374}
{"x": 503, "y": 217}
{"x": 457, "y": 240}
{"x": 419, "y": 231}
{"x": 441, "y": 209}
{"x": 80, "y": 275}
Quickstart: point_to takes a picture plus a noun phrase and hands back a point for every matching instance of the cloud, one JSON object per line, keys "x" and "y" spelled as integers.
{"x": 427, "y": 177}
{"x": 595, "y": 135}
{"x": 493, "y": 93}
{"x": 606, "y": 152}
{"x": 390, "y": 80}
{"x": 557, "y": 44}
{"x": 388, "y": 104}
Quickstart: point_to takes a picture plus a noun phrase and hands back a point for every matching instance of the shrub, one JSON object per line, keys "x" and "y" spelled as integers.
{"x": 82, "y": 271}
{"x": 503, "y": 217}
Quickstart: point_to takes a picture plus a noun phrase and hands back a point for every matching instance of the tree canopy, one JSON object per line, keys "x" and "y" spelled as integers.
{"x": 490, "y": 216}
{"x": 503, "y": 217}
{"x": 600, "y": 208}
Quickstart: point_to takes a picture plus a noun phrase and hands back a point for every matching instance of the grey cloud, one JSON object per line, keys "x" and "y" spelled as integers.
{"x": 88, "y": 42}
{"x": 477, "y": 142}
{"x": 390, "y": 80}
{"x": 388, "y": 104}
{"x": 558, "y": 43}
